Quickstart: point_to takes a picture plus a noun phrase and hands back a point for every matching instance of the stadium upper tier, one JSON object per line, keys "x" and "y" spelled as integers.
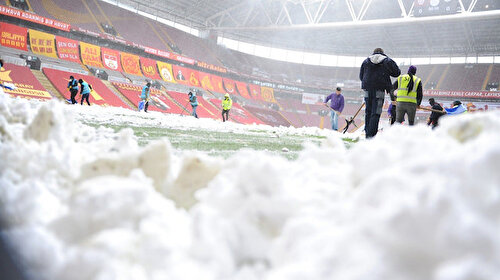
{"x": 91, "y": 15}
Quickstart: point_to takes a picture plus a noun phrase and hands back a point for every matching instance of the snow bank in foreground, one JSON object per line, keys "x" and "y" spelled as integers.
{"x": 85, "y": 203}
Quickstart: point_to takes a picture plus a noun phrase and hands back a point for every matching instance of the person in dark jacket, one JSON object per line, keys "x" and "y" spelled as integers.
{"x": 391, "y": 111}
{"x": 73, "y": 89}
{"x": 434, "y": 118}
{"x": 375, "y": 75}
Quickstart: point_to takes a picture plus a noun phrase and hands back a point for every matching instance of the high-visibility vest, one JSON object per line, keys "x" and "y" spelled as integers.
{"x": 403, "y": 95}
{"x": 227, "y": 103}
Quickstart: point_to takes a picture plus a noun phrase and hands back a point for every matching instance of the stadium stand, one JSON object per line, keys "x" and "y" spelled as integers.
{"x": 474, "y": 77}
{"x": 101, "y": 16}
{"x": 73, "y": 12}
{"x": 289, "y": 72}
{"x": 460, "y": 77}
{"x": 232, "y": 60}
{"x": 425, "y": 72}
{"x": 134, "y": 28}
{"x": 133, "y": 92}
{"x": 135, "y": 79}
{"x": 268, "y": 116}
{"x": 293, "y": 118}
{"x": 237, "y": 113}
{"x": 190, "y": 45}
{"x": 204, "y": 110}
{"x": 211, "y": 108}
{"x": 113, "y": 76}
{"x": 291, "y": 104}
{"x": 26, "y": 83}
{"x": 143, "y": 31}
{"x": 311, "y": 119}
{"x": 430, "y": 74}
{"x": 45, "y": 60}
{"x": 495, "y": 75}
{"x": 103, "y": 95}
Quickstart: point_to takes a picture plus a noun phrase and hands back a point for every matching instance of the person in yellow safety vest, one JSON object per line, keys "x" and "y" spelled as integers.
{"x": 227, "y": 103}
{"x": 408, "y": 96}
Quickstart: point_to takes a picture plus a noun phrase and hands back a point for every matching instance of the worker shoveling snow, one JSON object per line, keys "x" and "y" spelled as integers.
{"x": 87, "y": 203}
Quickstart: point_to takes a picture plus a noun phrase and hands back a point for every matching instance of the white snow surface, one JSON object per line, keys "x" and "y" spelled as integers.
{"x": 85, "y": 203}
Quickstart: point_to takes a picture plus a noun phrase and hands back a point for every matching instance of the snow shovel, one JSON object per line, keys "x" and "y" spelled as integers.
{"x": 432, "y": 110}
{"x": 141, "y": 105}
{"x": 350, "y": 121}
{"x": 8, "y": 86}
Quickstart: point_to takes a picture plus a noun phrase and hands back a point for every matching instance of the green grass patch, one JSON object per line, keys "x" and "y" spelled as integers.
{"x": 223, "y": 143}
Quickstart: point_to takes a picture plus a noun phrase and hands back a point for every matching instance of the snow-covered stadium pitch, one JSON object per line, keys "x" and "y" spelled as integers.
{"x": 99, "y": 193}
{"x": 207, "y": 136}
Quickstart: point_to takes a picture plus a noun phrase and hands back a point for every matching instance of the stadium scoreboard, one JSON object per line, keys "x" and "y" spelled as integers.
{"x": 422, "y": 8}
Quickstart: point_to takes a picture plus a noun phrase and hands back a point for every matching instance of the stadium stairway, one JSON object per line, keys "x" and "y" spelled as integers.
{"x": 117, "y": 93}
{"x": 159, "y": 36}
{"x": 443, "y": 76}
{"x": 286, "y": 119}
{"x": 47, "y": 84}
{"x": 322, "y": 122}
{"x": 428, "y": 78}
{"x": 487, "y": 78}
{"x": 308, "y": 109}
{"x": 184, "y": 109}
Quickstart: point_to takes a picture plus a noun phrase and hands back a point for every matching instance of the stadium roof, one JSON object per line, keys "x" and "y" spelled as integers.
{"x": 345, "y": 27}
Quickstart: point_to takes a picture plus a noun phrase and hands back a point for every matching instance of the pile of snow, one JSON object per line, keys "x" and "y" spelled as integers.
{"x": 121, "y": 116}
{"x": 85, "y": 203}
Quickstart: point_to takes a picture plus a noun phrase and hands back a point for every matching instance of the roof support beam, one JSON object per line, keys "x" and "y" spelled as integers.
{"x": 287, "y": 14}
{"x": 403, "y": 9}
{"x": 321, "y": 10}
{"x": 364, "y": 8}
{"x": 308, "y": 15}
{"x": 248, "y": 16}
{"x": 472, "y": 5}
{"x": 462, "y": 7}
{"x": 226, "y": 11}
{"x": 351, "y": 10}
{"x": 220, "y": 20}
{"x": 280, "y": 16}
{"x": 265, "y": 12}
{"x": 232, "y": 18}
{"x": 410, "y": 12}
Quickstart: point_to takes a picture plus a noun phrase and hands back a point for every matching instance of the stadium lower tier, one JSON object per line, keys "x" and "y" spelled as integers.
{"x": 101, "y": 94}
{"x": 127, "y": 95}
{"x": 133, "y": 93}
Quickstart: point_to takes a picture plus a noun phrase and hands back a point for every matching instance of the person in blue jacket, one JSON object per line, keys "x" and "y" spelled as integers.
{"x": 73, "y": 89}
{"x": 456, "y": 109}
{"x": 85, "y": 89}
{"x": 145, "y": 95}
{"x": 194, "y": 103}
